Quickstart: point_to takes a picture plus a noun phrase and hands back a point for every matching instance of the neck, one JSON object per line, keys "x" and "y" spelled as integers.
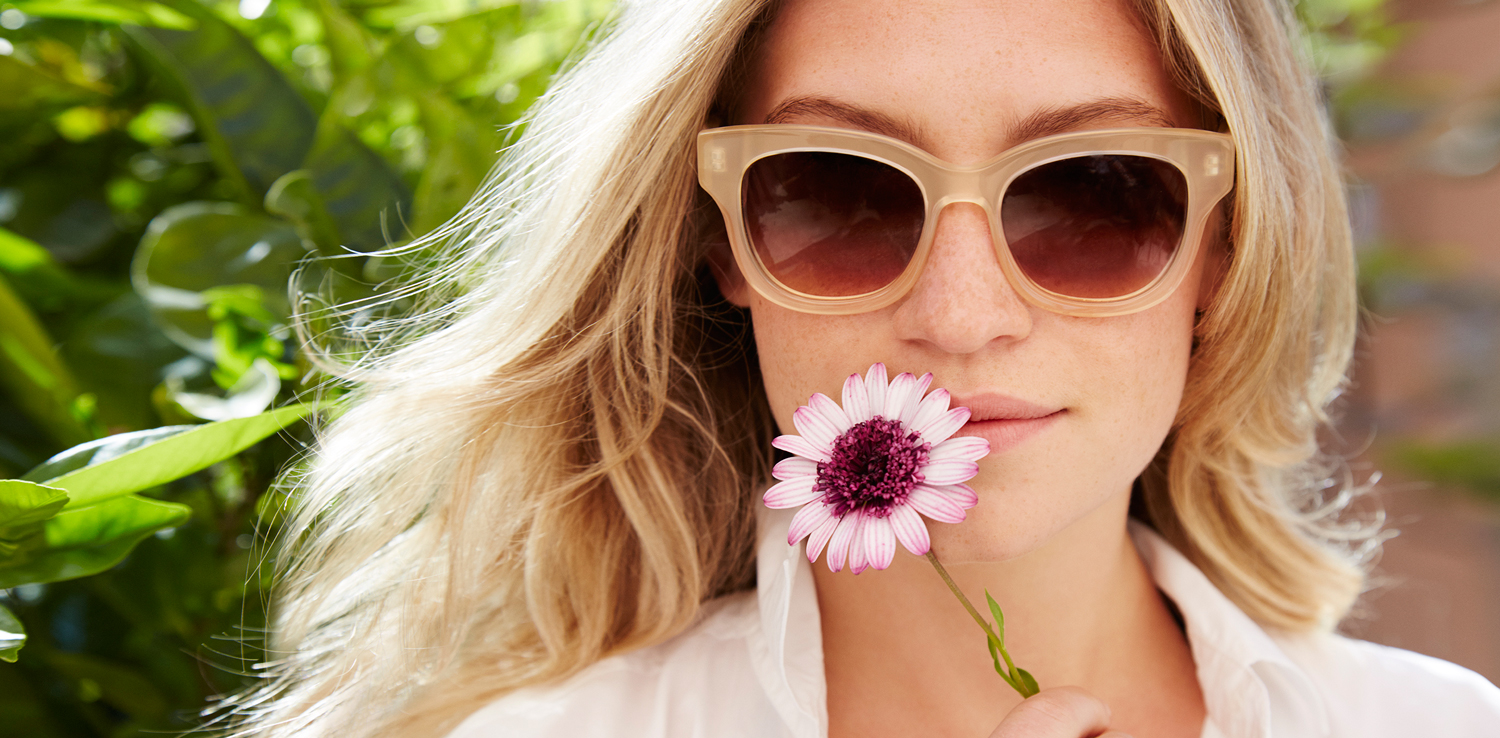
{"x": 903, "y": 657}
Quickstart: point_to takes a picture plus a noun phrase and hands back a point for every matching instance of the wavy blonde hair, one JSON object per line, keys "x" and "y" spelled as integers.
{"x": 560, "y": 463}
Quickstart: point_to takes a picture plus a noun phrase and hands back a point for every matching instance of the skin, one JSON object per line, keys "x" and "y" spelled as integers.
{"x": 1048, "y": 537}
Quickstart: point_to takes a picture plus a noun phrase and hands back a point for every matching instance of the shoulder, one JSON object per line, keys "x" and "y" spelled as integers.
{"x": 698, "y": 683}
{"x": 1374, "y": 690}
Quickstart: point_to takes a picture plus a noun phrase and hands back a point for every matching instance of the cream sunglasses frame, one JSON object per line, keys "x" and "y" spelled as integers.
{"x": 1206, "y": 160}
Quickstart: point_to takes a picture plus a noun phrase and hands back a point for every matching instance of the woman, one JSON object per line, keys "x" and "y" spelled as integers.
{"x": 539, "y": 515}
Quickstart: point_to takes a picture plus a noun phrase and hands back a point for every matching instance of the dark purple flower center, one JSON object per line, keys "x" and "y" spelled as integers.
{"x": 873, "y": 467}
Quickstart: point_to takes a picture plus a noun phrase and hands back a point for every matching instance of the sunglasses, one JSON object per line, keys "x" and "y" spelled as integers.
{"x": 1092, "y": 223}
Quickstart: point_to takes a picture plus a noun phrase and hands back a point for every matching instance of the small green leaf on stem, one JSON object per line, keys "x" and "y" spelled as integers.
{"x": 1028, "y": 682}
{"x": 999, "y": 617}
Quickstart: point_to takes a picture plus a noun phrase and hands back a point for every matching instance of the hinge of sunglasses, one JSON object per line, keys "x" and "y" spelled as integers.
{"x": 1211, "y": 165}
{"x": 716, "y": 159}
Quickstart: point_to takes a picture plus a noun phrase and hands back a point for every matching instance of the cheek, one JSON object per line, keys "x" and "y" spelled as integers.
{"x": 801, "y": 354}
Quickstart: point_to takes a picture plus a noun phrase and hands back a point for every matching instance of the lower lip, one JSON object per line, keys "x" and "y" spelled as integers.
{"x": 1005, "y": 434}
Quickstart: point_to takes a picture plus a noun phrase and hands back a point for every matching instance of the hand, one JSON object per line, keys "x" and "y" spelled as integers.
{"x": 1060, "y": 712}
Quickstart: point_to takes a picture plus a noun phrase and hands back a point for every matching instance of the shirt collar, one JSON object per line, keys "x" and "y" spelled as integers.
{"x": 1250, "y": 687}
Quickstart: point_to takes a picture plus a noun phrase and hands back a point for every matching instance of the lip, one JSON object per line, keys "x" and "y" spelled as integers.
{"x": 1004, "y": 421}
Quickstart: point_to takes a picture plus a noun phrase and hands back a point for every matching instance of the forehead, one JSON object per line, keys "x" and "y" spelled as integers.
{"x": 961, "y": 77}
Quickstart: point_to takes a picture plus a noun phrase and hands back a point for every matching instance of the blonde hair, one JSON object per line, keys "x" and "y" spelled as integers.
{"x": 560, "y": 463}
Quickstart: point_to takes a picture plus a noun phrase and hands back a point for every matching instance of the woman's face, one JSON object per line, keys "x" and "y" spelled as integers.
{"x": 961, "y": 77}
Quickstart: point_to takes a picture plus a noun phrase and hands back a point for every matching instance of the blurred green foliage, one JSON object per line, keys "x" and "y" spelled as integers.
{"x": 164, "y": 167}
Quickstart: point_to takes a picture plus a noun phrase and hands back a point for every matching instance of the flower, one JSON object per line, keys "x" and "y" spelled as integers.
{"x": 863, "y": 471}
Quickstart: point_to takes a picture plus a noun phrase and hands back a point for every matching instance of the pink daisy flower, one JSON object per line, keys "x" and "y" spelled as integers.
{"x": 862, "y": 472}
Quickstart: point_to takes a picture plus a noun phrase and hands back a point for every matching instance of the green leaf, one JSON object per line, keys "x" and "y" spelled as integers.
{"x": 100, "y": 451}
{"x": 26, "y": 88}
{"x": 412, "y": 13}
{"x": 39, "y": 279}
{"x": 255, "y": 124}
{"x": 82, "y": 542}
{"x": 293, "y": 196}
{"x": 998, "y": 615}
{"x": 1028, "y": 681}
{"x": 362, "y": 194}
{"x": 12, "y": 635}
{"x": 31, "y": 373}
{"x": 464, "y": 150}
{"x": 197, "y": 246}
{"x": 25, "y": 503}
{"x": 115, "y": 11}
{"x": 171, "y": 457}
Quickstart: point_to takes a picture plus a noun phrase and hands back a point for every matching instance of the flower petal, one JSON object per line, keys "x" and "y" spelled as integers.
{"x": 819, "y": 538}
{"x": 880, "y": 542}
{"x": 910, "y": 529}
{"x": 856, "y": 400}
{"x": 877, "y": 388}
{"x": 909, "y": 411}
{"x": 806, "y": 521}
{"x": 802, "y": 447}
{"x": 942, "y": 427}
{"x": 929, "y": 409}
{"x": 817, "y": 429}
{"x": 830, "y": 410}
{"x": 838, "y": 545}
{"x": 962, "y": 494}
{"x": 793, "y": 468}
{"x": 972, "y": 448}
{"x": 792, "y": 493}
{"x": 901, "y": 393}
{"x": 935, "y": 505}
{"x": 948, "y": 471}
{"x": 859, "y": 554}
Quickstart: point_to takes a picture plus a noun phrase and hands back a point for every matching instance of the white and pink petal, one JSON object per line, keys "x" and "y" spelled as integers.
{"x": 838, "y": 545}
{"x": 830, "y": 410}
{"x": 876, "y": 388}
{"x": 801, "y": 447}
{"x": 962, "y": 494}
{"x": 949, "y": 471}
{"x": 909, "y": 529}
{"x": 807, "y": 520}
{"x": 819, "y": 538}
{"x": 880, "y": 542}
{"x": 928, "y": 410}
{"x": 971, "y": 448}
{"x": 856, "y": 399}
{"x": 792, "y": 493}
{"x": 942, "y": 427}
{"x": 935, "y": 505}
{"x": 794, "y": 467}
{"x": 817, "y": 429}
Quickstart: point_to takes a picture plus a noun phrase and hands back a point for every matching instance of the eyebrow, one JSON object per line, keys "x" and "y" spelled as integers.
{"x": 863, "y": 118}
{"x": 1045, "y": 122}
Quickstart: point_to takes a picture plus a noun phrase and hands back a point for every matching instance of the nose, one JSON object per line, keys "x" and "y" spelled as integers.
{"x": 962, "y": 300}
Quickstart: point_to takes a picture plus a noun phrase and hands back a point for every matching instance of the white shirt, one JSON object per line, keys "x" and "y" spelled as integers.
{"x": 753, "y": 666}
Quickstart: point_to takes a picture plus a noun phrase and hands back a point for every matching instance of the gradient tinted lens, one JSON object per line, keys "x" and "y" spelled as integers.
{"x": 831, "y": 224}
{"x": 1102, "y": 225}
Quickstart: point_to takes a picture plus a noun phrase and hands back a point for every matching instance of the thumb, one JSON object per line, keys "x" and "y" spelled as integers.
{"x": 1060, "y": 712}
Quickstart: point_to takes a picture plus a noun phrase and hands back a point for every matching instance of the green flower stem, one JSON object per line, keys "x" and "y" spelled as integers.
{"x": 973, "y": 613}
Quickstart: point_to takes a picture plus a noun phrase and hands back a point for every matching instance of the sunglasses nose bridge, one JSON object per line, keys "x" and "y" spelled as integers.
{"x": 960, "y": 185}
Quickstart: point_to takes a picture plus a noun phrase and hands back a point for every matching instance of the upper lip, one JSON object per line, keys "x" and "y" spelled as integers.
{"x": 991, "y": 406}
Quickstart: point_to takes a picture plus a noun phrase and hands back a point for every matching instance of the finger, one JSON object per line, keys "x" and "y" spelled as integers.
{"x": 1060, "y": 712}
